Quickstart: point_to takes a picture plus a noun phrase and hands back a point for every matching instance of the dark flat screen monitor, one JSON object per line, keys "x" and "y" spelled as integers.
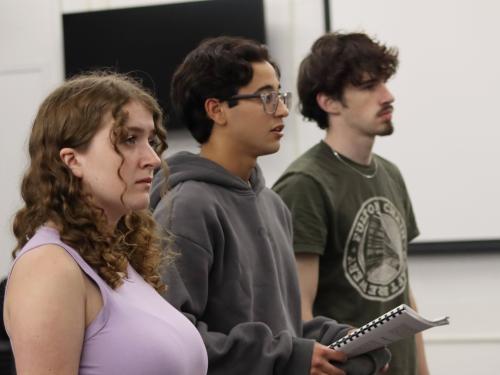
{"x": 150, "y": 42}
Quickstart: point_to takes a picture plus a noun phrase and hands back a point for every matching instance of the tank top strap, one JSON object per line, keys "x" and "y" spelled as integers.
{"x": 47, "y": 235}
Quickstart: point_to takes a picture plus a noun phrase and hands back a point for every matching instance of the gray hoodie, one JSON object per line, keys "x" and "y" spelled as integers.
{"x": 234, "y": 276}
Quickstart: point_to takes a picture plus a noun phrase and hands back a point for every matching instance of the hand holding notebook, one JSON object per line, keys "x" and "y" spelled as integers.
{"x": 395, "y": 325}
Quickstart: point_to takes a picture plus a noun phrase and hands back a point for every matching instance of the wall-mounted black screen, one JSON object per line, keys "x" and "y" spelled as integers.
{"x": 150, "y": 42}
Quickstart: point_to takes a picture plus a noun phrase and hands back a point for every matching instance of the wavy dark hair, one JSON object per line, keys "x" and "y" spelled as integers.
{"x": 70, "y": 117}
{"x": 336, "y": 60}
{"x": 217, "y": 68}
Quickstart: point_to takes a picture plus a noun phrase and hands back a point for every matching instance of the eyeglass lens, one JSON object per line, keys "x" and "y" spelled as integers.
{"x": 272, "y": 99}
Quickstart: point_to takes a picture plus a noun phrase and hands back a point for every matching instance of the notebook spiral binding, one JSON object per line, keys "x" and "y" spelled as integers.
{"x": 367, "y": 327}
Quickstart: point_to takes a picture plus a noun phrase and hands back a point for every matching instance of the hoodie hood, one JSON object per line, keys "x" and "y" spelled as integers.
{"x": 186, "y": 166}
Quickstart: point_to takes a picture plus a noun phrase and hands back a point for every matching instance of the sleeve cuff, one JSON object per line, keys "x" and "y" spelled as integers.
{"x": 300, "y": 359}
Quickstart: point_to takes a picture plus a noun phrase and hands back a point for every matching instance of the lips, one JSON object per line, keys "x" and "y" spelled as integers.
{"x": 386, "y": 111}
{"x": 146, "y": 180}
{"x": 278, "y": 128}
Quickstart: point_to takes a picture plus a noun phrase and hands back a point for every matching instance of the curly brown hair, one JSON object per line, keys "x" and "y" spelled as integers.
{"x": 70, "y": 117}
{"x": 336, "y": 60}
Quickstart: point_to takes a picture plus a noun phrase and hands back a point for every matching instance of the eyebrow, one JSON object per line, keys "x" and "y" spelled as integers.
{"x": 267, "y": 88}
{"x": 369, "y": 81}
{"x": 140, "y": 130}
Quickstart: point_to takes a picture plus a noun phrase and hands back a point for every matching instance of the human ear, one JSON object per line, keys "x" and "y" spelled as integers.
{"x": 70, "y": 157}
{"x": 328, "y": 104}
{"x": 215, "y": 111}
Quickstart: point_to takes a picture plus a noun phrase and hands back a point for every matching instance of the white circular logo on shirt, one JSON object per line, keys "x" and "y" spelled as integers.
{"x": 375, "y": 253}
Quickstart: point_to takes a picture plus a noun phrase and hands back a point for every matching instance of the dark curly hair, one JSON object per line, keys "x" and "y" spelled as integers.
{"x": 70, "y": 117}
{"x": 337, "y": 60}
{"x": 217, "y": 68}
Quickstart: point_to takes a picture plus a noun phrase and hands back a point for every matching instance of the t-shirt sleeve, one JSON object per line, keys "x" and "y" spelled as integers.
{"x": 413, "y": 230}
{"x": 307, "y": 203}
{"x": 411, "y": 222}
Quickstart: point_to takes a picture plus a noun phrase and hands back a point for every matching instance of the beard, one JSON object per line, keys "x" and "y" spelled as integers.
{"x": 387, "y": 130}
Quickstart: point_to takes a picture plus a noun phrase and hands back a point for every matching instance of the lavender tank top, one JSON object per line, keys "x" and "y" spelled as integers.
{"x": 136, "y": 331}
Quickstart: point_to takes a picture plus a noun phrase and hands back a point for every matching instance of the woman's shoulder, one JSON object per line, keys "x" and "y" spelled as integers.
{"x": 47, "y": 263}
{"x": 47, "y": 260}
{"x": 46, "y": 273}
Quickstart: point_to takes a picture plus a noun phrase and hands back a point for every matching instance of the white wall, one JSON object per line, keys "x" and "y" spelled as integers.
{"x": 466, "y": 289}
{"x": 30, "y": 67}
{"x": 445, "y": 142}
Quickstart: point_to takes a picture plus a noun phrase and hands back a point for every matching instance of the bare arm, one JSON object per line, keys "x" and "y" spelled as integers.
{"x": 419, "y": 340}
{"x": 44, "y": 312}
{"x": 308, "y": 269}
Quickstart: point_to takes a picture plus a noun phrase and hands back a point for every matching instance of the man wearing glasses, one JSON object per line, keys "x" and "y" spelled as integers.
{"x": 234, "y": 276}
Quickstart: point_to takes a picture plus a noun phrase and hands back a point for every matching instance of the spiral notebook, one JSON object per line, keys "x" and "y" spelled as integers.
{"x": 395, "y": 325}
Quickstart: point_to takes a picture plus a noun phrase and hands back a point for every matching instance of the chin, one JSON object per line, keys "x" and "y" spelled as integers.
{"x": 138, "y": 204}
{"x": 388, "y": 129}
{"x": 272, "y": 149}
{"x": 386, "y": 132}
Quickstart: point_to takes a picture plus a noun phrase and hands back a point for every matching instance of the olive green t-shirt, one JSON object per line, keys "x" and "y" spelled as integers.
{"x": 360, "y": 227}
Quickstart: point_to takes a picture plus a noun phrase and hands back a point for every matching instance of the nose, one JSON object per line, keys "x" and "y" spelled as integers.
{"x": 282, "y": 109}
{"x": 150, "y": 158}
{"x": 386, "y": 95}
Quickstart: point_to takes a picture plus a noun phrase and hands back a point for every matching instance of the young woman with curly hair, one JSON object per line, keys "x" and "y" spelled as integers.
{"x": 83, "y": 293}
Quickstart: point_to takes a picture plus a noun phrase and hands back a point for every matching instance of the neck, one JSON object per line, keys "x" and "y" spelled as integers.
{"x": 356, "y": 147}
{"x": 230, "y": 158}
{"x": 112, "y": 220}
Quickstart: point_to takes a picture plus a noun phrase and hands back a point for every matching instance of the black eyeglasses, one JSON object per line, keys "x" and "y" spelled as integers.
{"x": 269, "y": 99}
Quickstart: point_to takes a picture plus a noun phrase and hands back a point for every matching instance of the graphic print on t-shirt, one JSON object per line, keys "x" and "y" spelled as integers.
{"x": 375, "y": 251}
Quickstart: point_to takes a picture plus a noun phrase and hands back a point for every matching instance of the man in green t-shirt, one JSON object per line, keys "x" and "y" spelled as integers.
{"x": 351, "y": 211}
